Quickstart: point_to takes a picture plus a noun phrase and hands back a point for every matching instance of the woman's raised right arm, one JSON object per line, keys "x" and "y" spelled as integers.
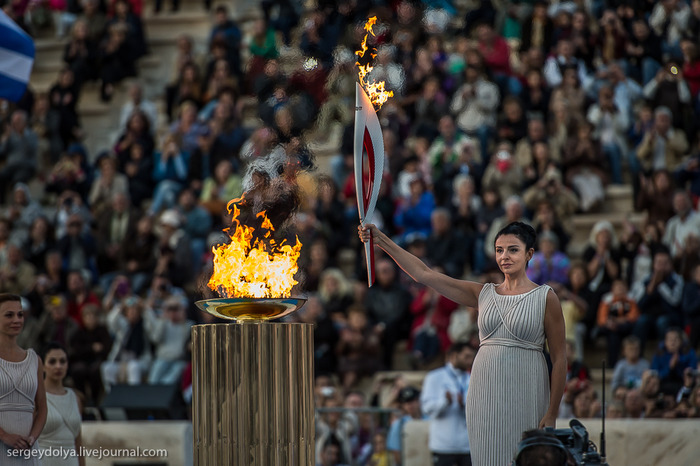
{"x": 460, "y": 291}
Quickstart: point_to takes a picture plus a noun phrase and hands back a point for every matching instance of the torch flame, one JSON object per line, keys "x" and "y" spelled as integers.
{"x": 375, "y": 90}
{"x": 248, "y": 268}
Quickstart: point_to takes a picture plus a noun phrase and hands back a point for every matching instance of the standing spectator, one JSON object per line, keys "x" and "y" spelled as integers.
{"x": 387, "y": 305}
{"x": 659, "y": 298}
{"x": 409, "y": 401}
{"x": 617, "y": 315}
{"x": 442, "y": 400}
{"x": 628, "y": 371}
{"x": 18, "y": 151}
{"x": 169, "y": 333}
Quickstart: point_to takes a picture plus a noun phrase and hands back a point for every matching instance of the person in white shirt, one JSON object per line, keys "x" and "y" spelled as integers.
{"x": 442, "y": 401}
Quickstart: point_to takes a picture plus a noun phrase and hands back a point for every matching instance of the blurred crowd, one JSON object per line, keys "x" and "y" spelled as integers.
{"x": 502, "y": 111}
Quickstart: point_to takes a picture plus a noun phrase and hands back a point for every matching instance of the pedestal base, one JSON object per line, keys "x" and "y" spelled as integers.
{"x": 252, "y": 401}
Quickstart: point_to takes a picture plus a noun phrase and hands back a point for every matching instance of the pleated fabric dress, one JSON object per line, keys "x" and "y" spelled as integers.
{"x": 509, "y": 385}
{"x": 18, "y": 385}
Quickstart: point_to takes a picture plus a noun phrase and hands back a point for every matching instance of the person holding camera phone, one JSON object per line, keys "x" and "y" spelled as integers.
{"x": 510, "y": 389}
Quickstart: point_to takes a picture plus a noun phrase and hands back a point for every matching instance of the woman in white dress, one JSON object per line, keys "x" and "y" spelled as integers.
{"x": 60, "y": 439}
{"x": 22, "y": 395}
{"x": 510, "y": 390}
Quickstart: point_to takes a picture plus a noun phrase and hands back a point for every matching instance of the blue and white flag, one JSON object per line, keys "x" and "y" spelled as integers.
{"x": 16, "y": 59}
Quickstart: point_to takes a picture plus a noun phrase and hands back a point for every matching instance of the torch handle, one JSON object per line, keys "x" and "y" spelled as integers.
{"x": 369, "y": 256}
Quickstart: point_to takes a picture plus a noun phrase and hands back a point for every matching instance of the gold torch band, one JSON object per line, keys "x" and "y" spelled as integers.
{"x": 252, "y": 400}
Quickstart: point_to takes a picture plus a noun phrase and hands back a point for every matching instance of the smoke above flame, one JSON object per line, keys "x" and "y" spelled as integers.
{"x": 375, "y": 90}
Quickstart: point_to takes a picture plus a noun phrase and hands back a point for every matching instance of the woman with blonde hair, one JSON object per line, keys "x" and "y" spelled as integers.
{"x": 336, "y": 294}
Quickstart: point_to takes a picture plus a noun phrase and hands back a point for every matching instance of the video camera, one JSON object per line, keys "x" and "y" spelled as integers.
{"x": 575, "y": 440}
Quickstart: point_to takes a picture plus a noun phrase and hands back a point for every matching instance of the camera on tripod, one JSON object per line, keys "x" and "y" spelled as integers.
{"x": 576, "y": 442}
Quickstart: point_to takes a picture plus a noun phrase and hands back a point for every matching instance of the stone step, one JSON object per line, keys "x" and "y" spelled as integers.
{"x": 618, "y": 198}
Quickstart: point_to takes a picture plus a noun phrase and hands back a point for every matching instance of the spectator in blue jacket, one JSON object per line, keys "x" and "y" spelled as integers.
{"x": 672, "y": 359}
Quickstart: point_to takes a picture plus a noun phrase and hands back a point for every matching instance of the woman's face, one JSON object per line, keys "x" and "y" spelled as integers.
{"x": 511, "y": 254}
{"x": 11, "y": 318}
{"x": 603, "y": 238}
{"x": 39, "y": 228}
{"x": 577, "y": 278}
{"x": 56, "y": 364}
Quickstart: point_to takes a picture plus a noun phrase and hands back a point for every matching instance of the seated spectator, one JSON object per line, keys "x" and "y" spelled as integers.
{"x": 445, "y": 153}
{"x": 107, "y": 184}
{"x": 139, "y": 254}
{"x": 136, "y": 131}
{"x": 116, "y": 223}
{"x": 413, "y": 213}
{"x": 431, "y": 319}
{"x": 79, "y": 294}
{"x": 536, "y": 133}
{"x": 503, "y": 173}
{"x": 474, "y": 105}
{"x": 38, "y": 243}
{"x": 130, "y": 356}
{"x": 78, "y": 249}
{"x": 548, "y": 264}
{"x": 56, "y": 325}
{"x": 221, "y": 187}
{"x": 541, "y": 164}
{"x": 550, "y": 216}
{"x": 18, "y": 151}
{"x": 196, "y": 223}
{"x": 173, "y": 253}
{"x": 671, "y": 360}
{"x": 387, "y": 304}
{"x": 16, "y": 275}
{"x": 549, "y": 189}
{"x": 90, "y": 346}
{"x": 170, "y": 167}
{"x": 663, "y": 146}
{"x": 634, "y": 404}
{"x": 445, "y": 247}
{"x": 687, "y": 174}
{"x": 617, "y": 315}
{"x": 656, "y": 197}
{"x": 168, "y": 333}
{"x": 512, "y": 124}
{"x": 70, "y": 173}
{"x": 584, "y": 167}
{"x": 335, "y": 293}
{"x": 333, "y": 432}
{"x": 659, "y": 298}
{"x": 602, "y": 257}
{"x": 496, "y": 53}
{"x": 691, "y": 306}
{"x": 117, "y": 58}
{"x": 610, "y": 125}
{"x": 22, "y": 211}
{"x": 357, "y": 348}
{"x": 186, "y": 92}
{"x": 558, "y": 65}
{"x": 80, "y": 53}
{"x": 63, "y": 98}
{"x": 138, "y": 102}
{"x": 227, "y": 31}
{"x": 95, "y": 20}
{"x": 643, "y": 51}
{"x": 628, "y": 371}
{"x": 138, "y": 168}
{"x": 685, "y": 223}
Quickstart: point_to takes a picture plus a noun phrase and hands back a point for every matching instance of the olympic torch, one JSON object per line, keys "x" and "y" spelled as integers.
{"x": 368, "y": 139}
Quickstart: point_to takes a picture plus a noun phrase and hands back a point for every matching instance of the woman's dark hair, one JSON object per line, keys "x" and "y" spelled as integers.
{"x": 522, "y": 231}
{"x": 50, "y": 346}
{"x": 9, "y": 298}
